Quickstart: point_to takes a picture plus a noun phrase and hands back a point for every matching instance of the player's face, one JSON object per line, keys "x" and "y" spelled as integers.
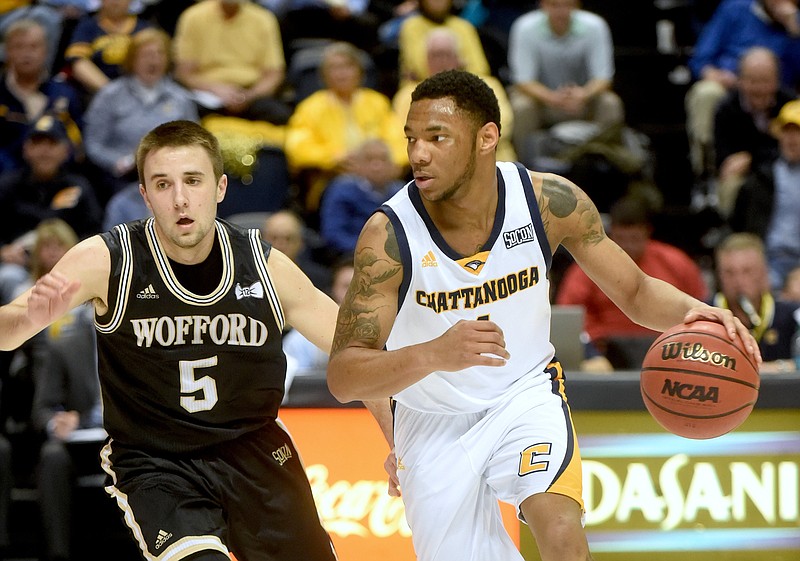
{"x": 441, "y": 148}
{"x": 182, "y": 192}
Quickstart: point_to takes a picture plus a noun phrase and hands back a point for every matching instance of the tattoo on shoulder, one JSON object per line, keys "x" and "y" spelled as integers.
{"x": 559, "y": 200}
{"x": 358, "y": 318}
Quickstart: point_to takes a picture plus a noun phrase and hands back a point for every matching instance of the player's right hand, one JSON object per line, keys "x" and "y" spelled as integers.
{"x": 471, "y": 343}
{"x": 50, "y": 298}
{"x": 390, "y": 465}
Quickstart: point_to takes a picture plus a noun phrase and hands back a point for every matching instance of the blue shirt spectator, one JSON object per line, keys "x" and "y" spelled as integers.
{"x": 127, "y": 108}
{"x": 350, "y": 199}
{"x": 27, "y": 93}
{"x": 738, "y": 25}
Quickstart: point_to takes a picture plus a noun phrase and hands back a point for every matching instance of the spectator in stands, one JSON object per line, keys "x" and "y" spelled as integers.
{"x": 742, "y": 134}
{"x": 744, "y": 289}
{"x": 768, "y": 203}
{"x": 27, "y": 92}
{"x": 331, "y": 123}
{"x": 128, "y": 107}
{"x": 352, "y": 197}
{"x": 631, "y": 228}
{"x": 231, "y": 54}
{"x": 52, "y": 239}
{"x": 442, "y": 53}
{"x": 736, "y": 26}
{"x": 66, "y": 403}
{"x": 286, "y": 231}
{"x": 46, "y": 188}
{"x": 40, "y": 251}
{"x": 791, "y": 287}
{"x": 303, "y": 357}
{"x": 562, "y": 66}
{"x": 99, "y": 44}
{"x": 414, "y": 32}
{"x": 47, "y": 14}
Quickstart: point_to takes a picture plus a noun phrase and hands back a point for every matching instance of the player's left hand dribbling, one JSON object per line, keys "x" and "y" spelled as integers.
{"x": 733, "y": 326}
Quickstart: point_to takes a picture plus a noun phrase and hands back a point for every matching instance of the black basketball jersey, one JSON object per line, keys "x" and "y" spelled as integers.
{"x": 181, "y": 371}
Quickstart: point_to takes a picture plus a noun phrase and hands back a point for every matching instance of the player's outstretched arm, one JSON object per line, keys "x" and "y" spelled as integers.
{"x": 359, "y": 367}
{"x": 572, "y": 219}
{"x": 81, "y": 275}
{"x": 307, "y": 309}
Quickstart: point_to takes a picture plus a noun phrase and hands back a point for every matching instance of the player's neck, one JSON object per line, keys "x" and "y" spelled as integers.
{"x": 466, "y": 221}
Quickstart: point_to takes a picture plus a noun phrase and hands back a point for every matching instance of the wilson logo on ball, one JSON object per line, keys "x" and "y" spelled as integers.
{"x": 690, "y": 391}
{"x": 698, "y": 353}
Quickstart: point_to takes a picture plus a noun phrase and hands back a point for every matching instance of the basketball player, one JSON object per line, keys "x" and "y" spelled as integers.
{"x": 448, "y": 314}
{"x": 189, "y": 312}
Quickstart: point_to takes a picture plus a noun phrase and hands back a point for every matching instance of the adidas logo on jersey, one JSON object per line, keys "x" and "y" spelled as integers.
{"x": 148, "y": 293}
{"x": 429, "y": 260}
{"x": 162, "y": 538}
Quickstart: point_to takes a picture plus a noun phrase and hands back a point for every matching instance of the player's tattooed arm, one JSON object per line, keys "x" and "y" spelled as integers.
{"x": 566, "y": 209}
{"x": 373, "y": 291}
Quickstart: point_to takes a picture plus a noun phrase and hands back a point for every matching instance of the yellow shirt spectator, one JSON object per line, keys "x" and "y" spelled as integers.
{"x": 414, "y": 32}
{"x": 328, "y": 126}
{"x": 237, "y": 50}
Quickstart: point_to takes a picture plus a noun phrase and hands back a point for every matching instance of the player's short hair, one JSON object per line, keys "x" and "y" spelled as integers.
{"x": 175, "y": 134}
{"x": 472, "y": 96}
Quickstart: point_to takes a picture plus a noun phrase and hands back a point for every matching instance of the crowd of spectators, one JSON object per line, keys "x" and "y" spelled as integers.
{"x": 82, "y": 81}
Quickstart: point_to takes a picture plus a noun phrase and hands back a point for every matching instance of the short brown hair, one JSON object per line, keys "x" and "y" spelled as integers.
{"x": 175, "y": 134}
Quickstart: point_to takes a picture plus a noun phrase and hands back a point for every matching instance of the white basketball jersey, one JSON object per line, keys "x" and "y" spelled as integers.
{"x": 506, "y": 282}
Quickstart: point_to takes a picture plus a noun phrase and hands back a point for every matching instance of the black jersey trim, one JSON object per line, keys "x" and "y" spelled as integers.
{"x": 125, "y": 279}
{"x": 263, "y": 272}
{"x": 171, "y": 281}
{"x": 405, "y": 252}
{"x": 536, "y": 214}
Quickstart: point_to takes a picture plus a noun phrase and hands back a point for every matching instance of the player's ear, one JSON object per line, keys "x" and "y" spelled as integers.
{"x": 222, "y": 187}
{"x": 143, "y": 193}
{"x": 488, "y": 137}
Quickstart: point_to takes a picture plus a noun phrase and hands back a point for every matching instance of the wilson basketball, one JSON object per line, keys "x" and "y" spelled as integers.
{"x": 697, "y": 383}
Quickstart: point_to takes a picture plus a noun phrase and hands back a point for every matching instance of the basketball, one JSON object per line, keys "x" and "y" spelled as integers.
{"x": 696, "y": 382}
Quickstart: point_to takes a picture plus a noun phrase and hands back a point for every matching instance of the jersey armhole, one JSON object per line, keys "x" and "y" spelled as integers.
{"x": 536, "y": 214}
{"x": 405, "y": 252}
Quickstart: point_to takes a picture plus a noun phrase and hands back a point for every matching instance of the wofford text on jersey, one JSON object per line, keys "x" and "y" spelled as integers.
{"x": 222, "y": 329}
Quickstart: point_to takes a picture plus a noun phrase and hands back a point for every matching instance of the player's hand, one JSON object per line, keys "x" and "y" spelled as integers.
{"x": 733, "y": 326}
{"x": 50, "y": 298}
{"x": 470, "y": 343}
{"x": 390, "y": 465}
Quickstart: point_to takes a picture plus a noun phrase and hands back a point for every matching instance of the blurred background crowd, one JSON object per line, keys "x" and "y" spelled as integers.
{"x": 679, "y": 118}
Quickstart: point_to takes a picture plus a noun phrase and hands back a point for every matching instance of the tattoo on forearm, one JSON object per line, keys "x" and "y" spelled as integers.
{"x": 559, "y": 200}
{"x": 358, "y": 320}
